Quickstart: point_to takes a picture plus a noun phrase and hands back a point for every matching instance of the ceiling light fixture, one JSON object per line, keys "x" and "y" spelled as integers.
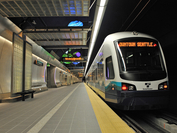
{"x": 97, "y": 22}
{"x": 34, "y": 22}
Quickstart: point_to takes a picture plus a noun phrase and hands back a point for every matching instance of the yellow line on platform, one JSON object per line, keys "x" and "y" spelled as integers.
{"x": 108, "y": 120}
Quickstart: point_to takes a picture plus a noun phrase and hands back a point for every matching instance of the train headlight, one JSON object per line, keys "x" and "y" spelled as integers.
{"x": 160, "y": 87}
{"x": 112, "y": 88}
{"x": 128, "y": 87}
{"x": 163, "y": 86}
{"x": 131, "y": 88}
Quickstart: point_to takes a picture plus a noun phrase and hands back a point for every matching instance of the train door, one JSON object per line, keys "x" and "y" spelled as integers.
{"x": 100, "y": 75}
{"x": 108, "y": 65}
{"x": 110, "y": 92}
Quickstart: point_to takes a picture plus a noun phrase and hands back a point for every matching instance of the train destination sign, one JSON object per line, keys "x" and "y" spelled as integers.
{"x": 137, "y": 44}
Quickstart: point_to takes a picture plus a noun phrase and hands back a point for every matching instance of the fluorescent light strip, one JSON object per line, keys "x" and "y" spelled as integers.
{"x": 96, "y": 28}
{"x": 5, "y": 39}
{"x": 103, "y": 2}
{"x": 55, "y": 75}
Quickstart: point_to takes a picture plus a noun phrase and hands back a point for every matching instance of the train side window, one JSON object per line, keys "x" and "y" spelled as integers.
{"x": 92, "y": 76}
{"x": 109, "y": 68}
{"x": 96, "y": 74}
{"x": 100, "y": 70}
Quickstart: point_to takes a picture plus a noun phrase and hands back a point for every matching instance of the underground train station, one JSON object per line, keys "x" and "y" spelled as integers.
{"x": 88, "y": 66}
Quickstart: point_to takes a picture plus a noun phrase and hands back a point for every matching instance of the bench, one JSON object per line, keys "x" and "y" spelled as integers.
{"x": 26, "y": 92}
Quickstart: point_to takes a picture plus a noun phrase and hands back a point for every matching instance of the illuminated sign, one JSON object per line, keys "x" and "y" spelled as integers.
{"x": 80, "y": 74}
{"x": 73, "y": 59}
{"x": 48, "y": 65}
{"x": 75, "y": 63}
{"x": 39, "y": 63}
{"x": 137, "y": 44}
{"x": 78, "y": 54}
{"x": 101, "y": 54}
{"x": 75, "y": 23}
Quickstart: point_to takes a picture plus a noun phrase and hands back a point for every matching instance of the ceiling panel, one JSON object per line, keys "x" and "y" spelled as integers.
{"x": 46, "y": 23}
{"x": 44, "y": 8}
{"x": 54, "y": 38}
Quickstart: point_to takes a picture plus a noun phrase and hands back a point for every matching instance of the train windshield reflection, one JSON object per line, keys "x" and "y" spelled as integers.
{"x": 140, "y": 58}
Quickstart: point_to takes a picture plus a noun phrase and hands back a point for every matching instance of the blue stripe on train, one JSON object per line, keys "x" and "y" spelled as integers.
{"x": 116, "y": 84}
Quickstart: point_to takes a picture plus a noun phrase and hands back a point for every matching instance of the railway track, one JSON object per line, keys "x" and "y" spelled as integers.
{"x": 132, "y": 123}
{"x": 165, "y": 120}
{"x": 171, "y": 118}
{"x": 148, "y": 122}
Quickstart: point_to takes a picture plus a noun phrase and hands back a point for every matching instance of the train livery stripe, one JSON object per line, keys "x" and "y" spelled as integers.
{"x": 109, "y": 122}
{"x": 117, "y": 84}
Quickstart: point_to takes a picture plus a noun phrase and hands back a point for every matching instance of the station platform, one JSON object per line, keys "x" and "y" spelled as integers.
{"x": 67, "y": 109}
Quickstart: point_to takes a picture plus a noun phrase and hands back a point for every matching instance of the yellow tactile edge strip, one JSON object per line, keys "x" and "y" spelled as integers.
{"x": 108, "y": 120}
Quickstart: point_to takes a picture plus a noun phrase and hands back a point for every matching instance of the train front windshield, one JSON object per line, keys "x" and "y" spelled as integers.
{"x": 140, "y": 59}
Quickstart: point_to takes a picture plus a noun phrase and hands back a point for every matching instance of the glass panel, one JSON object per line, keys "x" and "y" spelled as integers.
{"x": 140, "y": 55}
{"x": 17, "y": 64}
{"x": 28, "y": 66}
{"x": 109, "y": 68}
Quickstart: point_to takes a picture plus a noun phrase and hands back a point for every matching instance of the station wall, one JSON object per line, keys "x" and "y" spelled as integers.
{"x": 5, "y": 67}
{"x": 169, "y": 43}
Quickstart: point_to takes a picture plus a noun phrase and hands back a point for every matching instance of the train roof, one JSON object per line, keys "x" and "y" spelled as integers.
{"x": 127, "y": 34}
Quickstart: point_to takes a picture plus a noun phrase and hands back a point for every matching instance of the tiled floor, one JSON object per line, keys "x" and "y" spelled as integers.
{"x": 73, "y": 115}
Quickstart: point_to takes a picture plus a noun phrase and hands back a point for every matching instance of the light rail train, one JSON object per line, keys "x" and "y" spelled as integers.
{"x": 129, "y": 71}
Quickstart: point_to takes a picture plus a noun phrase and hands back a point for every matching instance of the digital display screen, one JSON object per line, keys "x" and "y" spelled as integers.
{"x": 48, "y": 65}
{"x": 73, "y": 59}
{"x": 137, "y": 44}
{"x": 39, "y": 63}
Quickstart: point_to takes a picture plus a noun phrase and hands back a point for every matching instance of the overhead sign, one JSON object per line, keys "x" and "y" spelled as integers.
{"x": 80, "y": 74}
{"x": 39, "y": 63}
{"x": 73, "y": 59}
{"x": 75, "y": 24}
{"x": 48, "y": 65}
